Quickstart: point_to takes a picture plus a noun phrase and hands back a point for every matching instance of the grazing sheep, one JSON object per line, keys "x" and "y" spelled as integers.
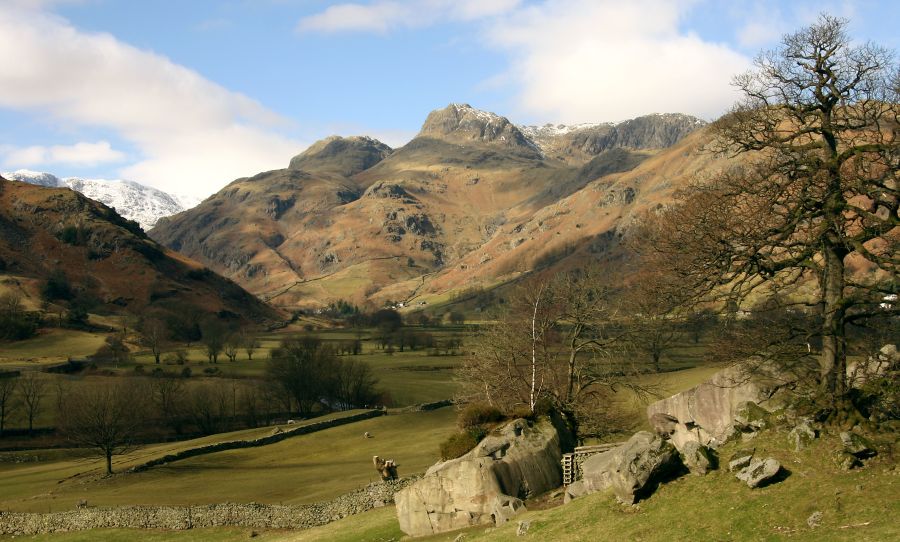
{"x": 387, "y": 468}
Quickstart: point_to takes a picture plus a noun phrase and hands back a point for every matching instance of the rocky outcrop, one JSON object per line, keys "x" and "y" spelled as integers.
{"x": 628, "y": 469}
{"x": 462, "y": 123}
{"x": 707, "y": 413}
{"x": 488, "y": 484}
{"x": 345, "y": 156}
{"x": 586, "y": 140}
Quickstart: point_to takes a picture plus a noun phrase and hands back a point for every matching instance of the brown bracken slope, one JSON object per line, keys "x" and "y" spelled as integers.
{"x": 473, "y": 200}
{"x": 108, "y": 261}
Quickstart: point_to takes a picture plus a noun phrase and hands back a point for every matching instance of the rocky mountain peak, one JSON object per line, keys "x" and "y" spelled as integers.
{"x": 582, "y": 141}
{"x": 462, "y": 123}
{"x": 341, "y": 155}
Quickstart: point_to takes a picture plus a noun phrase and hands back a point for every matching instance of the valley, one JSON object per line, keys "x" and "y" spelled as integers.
{"x": 481, "y": 328}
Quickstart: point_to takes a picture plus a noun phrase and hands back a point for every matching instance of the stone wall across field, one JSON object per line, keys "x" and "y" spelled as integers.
{"x": 262, "y": 441}
{"x": 263, "y": 516}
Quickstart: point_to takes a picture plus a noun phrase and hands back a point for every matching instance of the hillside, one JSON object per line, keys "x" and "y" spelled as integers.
{"x": 104, "y": 262}
{"x": 134, "y": 201}
{"x": 472, "y": 199}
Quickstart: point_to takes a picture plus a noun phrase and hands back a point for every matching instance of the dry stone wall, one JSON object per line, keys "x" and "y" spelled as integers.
{"x": 177, "y": 518}
{"x": 263, "y": 441}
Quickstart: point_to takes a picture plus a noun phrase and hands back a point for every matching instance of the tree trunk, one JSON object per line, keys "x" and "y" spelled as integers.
{"x": 833, "y": 363}
{"x": 109, "y": 462}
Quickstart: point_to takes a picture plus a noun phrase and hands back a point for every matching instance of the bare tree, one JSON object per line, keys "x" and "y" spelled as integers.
{"x": 213, "y": 339}
{"x": 251, "y": 344}
{"x": 105, "y": 418}
{"x": 232, "y": 346}
{"x": 354, "y": 384}
{"x": 208, "y": 407}
{"x": 816, "y": 197}
{"x": 155, "y": 337}
{"x": 651, "y": 320}
{"x": 300, "y": 367}
{"x": 553, "y": 344}
{"x": 31, "y": 391}
{"x": 167, "y": 396}
{"x": 8, "y": 401}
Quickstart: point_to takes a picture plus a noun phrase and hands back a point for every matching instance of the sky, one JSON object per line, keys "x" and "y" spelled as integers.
{"x": 186, "y": 96}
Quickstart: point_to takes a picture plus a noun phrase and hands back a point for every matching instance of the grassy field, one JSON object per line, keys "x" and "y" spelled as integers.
{"x": 302, "y": 469}
{"x": 51, "y": 345}
{"x": 857, "y": 505}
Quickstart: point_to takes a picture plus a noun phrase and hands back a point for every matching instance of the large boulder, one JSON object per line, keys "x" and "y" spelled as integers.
{"x": 706, "y": 413}
{"x": 487, "y": 485}
{"x": 627, "y": 469}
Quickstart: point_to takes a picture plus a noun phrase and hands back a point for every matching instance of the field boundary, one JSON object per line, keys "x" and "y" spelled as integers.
{"x": 179, "y": 518}
{"x": 262, "y": 441}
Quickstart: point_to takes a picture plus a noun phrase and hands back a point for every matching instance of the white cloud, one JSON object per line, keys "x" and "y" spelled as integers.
{"x": 604, "y": 60}
{"x": 79, "y": 154}
{"x": 381, "y": 16}
{"x": 194, "y": 135}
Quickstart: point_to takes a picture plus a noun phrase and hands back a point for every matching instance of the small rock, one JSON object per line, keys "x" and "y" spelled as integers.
{"x": 523, "y": 527}
{"x": 847, "y": 461}
{"x": 814, "y": 520}
{"x": 857, "y": 445}
{"x": 759, "y": 471}
{"x": 802, "y": 436}
{"x": 750, "y": 417}
{"x": 459, "y": 538}
{"x": 740, "y": 460}
{"x": 697, "y": 458}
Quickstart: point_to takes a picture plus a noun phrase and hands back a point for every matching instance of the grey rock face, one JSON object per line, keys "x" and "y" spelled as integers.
{"x": 627, "y": 469}
{"x": 663, "y": 424}
{"x": 759, "y": 471}
{"x": 487, "y": 484}
{"x": 706, "y": 413}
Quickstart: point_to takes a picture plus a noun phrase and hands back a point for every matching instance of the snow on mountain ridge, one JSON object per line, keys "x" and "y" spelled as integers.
{"x": 134, "y": 201}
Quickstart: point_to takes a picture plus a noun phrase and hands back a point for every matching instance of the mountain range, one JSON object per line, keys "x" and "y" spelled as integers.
{"x": 472, "y": 201}
{"x": 134, "y": 201}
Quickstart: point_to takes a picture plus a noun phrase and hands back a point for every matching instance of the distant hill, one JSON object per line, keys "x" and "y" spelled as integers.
{"x": 134, "y": 201}
{"x": 106, "y": 262}
{"x": 473, "y": 200}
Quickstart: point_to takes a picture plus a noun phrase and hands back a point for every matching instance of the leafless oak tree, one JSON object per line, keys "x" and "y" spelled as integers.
{"x": 103, "y": 417}
{"x": 8, "y": 402}
{"x": 817, "y": 194}
{"x": 32, "y": 388}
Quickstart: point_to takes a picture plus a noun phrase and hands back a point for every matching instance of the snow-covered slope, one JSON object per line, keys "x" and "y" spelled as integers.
{"x": 134, "y": 201}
